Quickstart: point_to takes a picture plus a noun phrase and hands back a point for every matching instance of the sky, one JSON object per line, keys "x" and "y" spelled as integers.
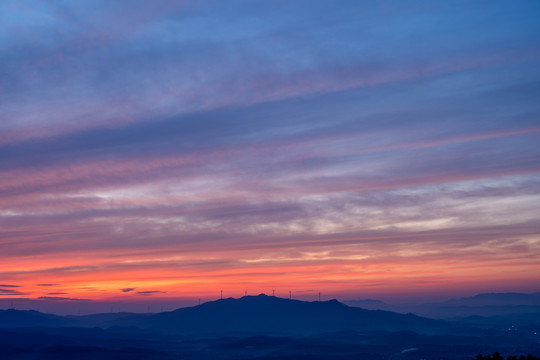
{"x": 162, "y": 151}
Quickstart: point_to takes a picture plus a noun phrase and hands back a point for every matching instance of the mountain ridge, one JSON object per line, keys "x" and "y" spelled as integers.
{"x": 273, "y": 315}
{"x": 260, "y": 314}
{"x": 484, "y": 304}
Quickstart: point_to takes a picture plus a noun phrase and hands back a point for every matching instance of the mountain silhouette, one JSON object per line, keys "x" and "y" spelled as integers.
{"x": 264, "y": 314}
{"x": 498, "y": 299}
{"x": 369, "y": 304}
{"x": 260, "y": 327}
{"x": 25, "y": 318}
{"x": 484, "y": 304}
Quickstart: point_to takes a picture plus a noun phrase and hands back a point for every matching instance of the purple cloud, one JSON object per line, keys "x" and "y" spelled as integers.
{"x": 150, "y": 292}
{"x": 11, "y": 292}
{"x": 59, "y": 298}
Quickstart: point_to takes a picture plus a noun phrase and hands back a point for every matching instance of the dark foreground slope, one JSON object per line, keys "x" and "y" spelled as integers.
{"x": 79, "y": 344}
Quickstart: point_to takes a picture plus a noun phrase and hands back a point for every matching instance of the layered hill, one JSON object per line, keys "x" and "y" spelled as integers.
{"x": 29, "y": 318}
{"x": 272, "y": 315}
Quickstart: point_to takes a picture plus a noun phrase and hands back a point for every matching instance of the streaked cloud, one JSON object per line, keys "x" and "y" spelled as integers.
{"x": 189, "y": 146}
{"x": 150, "y": 292}
{"x": 59, "y": 298}
{"x": 11, "y": 292}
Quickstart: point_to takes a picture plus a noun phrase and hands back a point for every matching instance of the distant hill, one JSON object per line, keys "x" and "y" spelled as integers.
{"x": 97, "y": 319}
{"x": 272, "y": 315}
{"x": 26, "y": 318}
{"x": 497, "y": 299}
{"x": 369, "y": 304}
{"x": 487, "y": 304}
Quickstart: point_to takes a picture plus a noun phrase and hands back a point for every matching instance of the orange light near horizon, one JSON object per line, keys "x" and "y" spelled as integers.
{"x": 98, "y": 280}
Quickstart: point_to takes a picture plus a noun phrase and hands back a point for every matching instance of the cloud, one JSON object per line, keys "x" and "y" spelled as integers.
{"x": 46, "y": 284}
{"x": 127, "y": 289}
{"x": 57, "y": 298}
{"x": 11, "y": 292}
{"x": 4, "y": 285}
{"x": 150, "y": 292}
{"x": 187, "y": 62}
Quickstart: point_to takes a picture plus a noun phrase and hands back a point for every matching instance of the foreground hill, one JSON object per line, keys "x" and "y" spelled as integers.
{"x": 69, "y": 343}
{"x": 272, "y": 315}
